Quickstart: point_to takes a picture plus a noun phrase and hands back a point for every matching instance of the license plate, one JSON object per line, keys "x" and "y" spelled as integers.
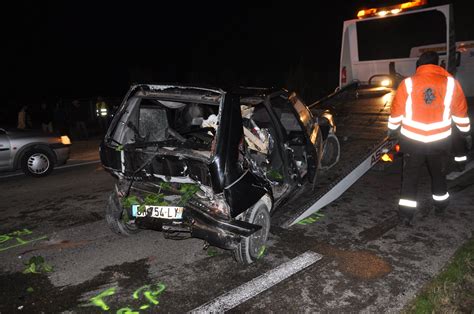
{"x": 163, "y": 212}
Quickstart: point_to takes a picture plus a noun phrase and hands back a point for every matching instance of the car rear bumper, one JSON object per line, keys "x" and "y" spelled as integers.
{"x": 225, "y": 234}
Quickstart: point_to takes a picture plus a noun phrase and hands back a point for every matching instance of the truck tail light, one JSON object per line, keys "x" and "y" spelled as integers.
{"x": 387, "y": 157}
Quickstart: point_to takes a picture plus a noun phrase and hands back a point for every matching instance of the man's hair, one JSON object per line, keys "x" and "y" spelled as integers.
{"x": 428, "y": 57}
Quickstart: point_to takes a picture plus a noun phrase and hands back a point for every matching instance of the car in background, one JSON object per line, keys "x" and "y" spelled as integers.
{"x": 33, "y": 152}
{"x": 212, "y": 164}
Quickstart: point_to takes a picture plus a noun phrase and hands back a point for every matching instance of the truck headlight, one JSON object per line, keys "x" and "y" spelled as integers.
{"x": 386, "y": 83}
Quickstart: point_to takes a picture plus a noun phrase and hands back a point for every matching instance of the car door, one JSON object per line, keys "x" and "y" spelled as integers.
{"x": 297, "y": 123}
{"x": 5, "y": 150}
{"x": 314, "y": 146}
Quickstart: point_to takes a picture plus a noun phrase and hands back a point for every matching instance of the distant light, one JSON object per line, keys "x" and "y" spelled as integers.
{"x": 361, "y": 13}
{"x": 386, "y": 83}
{"x": 397, "y": 148}
{"x": 382, "y": 13}
{"x": 396, "y": 11}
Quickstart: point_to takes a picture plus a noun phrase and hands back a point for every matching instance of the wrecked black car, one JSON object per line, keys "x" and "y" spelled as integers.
{"x": 210, "y": 164}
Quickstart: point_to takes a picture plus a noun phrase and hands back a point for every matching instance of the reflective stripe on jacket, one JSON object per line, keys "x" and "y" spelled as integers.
{"x": 101, "y": 109}
{"x": 427, "y": 103}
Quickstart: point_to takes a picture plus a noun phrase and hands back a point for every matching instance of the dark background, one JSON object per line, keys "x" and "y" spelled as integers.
{"x": 84, "y": 49}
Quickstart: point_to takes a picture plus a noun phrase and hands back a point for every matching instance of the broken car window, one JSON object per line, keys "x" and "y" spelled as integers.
{"x": 191, "y": 125}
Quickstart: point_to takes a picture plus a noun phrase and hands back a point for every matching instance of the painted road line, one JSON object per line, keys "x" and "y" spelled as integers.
{"x": 257, "y": 285}
{"x": 81, "y": 164}
{"x": 60, "y": 167}
{"x": 453, "y": 175}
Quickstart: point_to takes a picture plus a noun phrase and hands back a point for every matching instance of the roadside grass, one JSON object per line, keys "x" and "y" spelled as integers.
{"x": 452, "y": 291}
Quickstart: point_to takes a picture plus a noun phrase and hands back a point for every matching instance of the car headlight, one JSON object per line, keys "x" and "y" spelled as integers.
{"x": 65, "y": 140}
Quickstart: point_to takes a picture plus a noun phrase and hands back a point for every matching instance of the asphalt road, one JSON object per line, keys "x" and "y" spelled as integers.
{"x": 368, "y": 263}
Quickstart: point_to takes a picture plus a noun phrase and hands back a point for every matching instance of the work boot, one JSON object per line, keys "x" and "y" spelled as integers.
{"x": 406, "y": 215}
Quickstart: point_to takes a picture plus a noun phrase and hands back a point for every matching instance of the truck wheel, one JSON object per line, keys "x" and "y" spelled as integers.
{"x": 116, "y": 218}
{"x": 37, "y": 162}
{"x": 252, "y": 248}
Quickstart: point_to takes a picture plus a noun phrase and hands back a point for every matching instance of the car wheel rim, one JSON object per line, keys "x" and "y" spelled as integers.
{"x": 38, "y": 163}
{"x": 259, "y": 238}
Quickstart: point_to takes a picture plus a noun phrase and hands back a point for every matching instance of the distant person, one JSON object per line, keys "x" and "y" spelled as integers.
{"x": 60, "y": 119}
{"x": 423, "y": 110}
{"x": 24, "y": 119}
{"x": 46, "y": 118}
{"x": 102, "y": 114}
{"x": 79, "y": 118}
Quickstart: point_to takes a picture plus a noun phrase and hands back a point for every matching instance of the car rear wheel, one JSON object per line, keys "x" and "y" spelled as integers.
{"x": 117, "y": 218}
{"x": 331, "y": 152}
{"x": 37, "y": 162}
{"x": 252, "y": 248}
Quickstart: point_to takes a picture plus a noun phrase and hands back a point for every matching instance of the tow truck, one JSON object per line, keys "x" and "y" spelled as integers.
{"x": 362, "y": 100}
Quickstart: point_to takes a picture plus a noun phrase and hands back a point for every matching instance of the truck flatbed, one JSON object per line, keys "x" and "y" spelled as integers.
{"x": 361, "y": 119}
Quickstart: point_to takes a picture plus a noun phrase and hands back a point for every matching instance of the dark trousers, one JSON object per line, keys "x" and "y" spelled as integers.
{"x": 460, "y": 150}
{"x": 412, "y": 164}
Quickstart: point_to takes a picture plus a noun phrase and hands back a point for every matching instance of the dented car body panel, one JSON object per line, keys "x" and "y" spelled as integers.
{"x": 193, "y": 160}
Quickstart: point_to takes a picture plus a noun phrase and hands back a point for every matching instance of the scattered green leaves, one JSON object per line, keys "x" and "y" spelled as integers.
{"x": 127, "y": 310}
{"x": 30, "y": 289}
{"x": 311, "y": 219}
{"x": 261, "y": 251}
{"x": 98, "y": 299}
{"x": 272, "y": 174}
{"x": 128, "y": 201}
{"x": 156, "y": 200}
{"x": 165, "y": 186}
{"x": 37, "y": 265}
{"x": 212, "y": 251}
{"x": 187, "y": 191}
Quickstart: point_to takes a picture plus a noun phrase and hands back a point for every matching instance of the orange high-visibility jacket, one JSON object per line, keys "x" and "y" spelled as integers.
{"x": 427, "y": 103}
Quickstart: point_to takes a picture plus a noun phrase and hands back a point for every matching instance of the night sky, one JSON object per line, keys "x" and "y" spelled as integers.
{"x": 84, "y": 49}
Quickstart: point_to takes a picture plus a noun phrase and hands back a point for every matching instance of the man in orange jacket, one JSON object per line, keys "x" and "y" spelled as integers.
{"x": 423, "y": 110}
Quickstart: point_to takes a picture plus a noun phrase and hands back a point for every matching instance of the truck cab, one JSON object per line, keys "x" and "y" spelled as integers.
{"x": 381, "y": 46}
{"x": 464, "y": 61}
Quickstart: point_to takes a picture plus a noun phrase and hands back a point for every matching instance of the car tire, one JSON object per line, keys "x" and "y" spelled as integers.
{"x": 331, "y": 152}
{"x": 37, "y": 162}
{"x": 252, "y": 248}
{"x": 114, "y": 216}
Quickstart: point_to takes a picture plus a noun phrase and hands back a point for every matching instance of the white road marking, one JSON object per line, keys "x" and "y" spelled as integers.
{"x": 60, "y": 167}
{"x": 81, "y": 164}
{"x": 453, "y": 175}
{"x": 257, "y": 285}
